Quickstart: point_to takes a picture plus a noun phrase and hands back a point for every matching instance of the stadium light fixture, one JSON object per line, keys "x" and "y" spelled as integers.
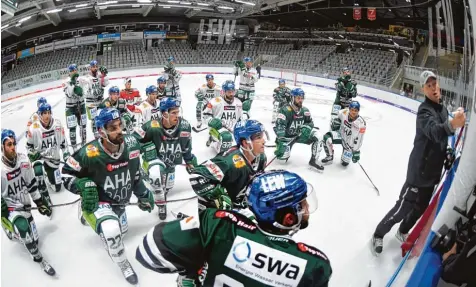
{"x": 173, "y": 1}
{"x": 24, "y": 19}
{"x": 185, "y": 3}
{"x": 144, "y": 1}
{"x": 108, "y": 2}
{"x": 225, "y": 7}
{"x": 81, "y": 5}
{"x": 3, "y": 27}
{"x": 166, "y": 7}
{"x": 54, "y": 11}
{"x": 72, "y": 10}
{"x": 203, "y": 4}
{"x": 245, "y": 2}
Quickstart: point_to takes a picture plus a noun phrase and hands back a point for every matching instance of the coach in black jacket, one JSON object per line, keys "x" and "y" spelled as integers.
{"x": 425, "y": 164}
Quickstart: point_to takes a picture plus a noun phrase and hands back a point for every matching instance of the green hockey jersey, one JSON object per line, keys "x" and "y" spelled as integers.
{"x": 227, "y": 249}
{"x": 120, "y": 105}
{"x": 346, "y": 90}
{"x": 116, "y": 177}
{"x": 230, "y": 169}
{"x": 289, "y": 122}
{"x": 173, "y": 145}
{"x": 282, "y": 95}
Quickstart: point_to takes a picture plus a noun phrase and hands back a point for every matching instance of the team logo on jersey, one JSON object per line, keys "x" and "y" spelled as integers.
{"x": 209, "y": 105}
{"x": 134, "y": 154}
{"x": 184, "y": 134}
{"x": 311, "y": 250}
{"x": 92, "y": 151}
{"x": 13, "y": 174}
{"x": 238, "y": 161}
{"x": 264, "y": 264}
{"x": 289, "y": 108}
{"x": 114, "y": 166}
{"x": 25, "y": 165}
{"x": 36, "y": 125}
{"x": 214, "y": 170}
{"x": 74, "y": 164}
{"x": 155, "y": 124}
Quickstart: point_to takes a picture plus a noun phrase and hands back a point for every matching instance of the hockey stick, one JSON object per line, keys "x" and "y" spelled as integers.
{"x": 54, "y": 205}
{"x": 290, "y": 143}
{"x": 166, "y": 201}
{"x": 199, "y": 130}
{"x": 378, "y": 192}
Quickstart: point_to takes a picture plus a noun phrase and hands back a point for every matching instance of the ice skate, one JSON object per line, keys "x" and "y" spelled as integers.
{"x": 129, "y": 273}
{"x": 327, "y": 160}
{"x": 47, "y": 268}
{"x": 315, "y": 166}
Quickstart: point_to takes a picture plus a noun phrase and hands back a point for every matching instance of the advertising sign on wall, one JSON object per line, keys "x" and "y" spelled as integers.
{"x": 155, "y": 34}
{"x": 109, "y": 37}
{"x": 25, "y": 53}
{"x": 132, "y": 35}
{"x": 91, "y": 39}
{"x": 65, "y": 44}
{"x": 44, "y": 48}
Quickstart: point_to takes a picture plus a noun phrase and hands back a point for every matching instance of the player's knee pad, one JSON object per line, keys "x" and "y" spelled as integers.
{"x": 226, "y": 140}
{"x": 335, "y": 109}
{"x": 23, "y": 229}
{"x": 168, "y": 179}
{"x": 83, "y": 119}
{"x": 346, "y": 157}
{"x": 112, "y": 237}
{"x": 38, "y": 168}
{"x": 91, "y": 112}
{"x": 71, "y": 121}
{"x": 316, "y": 148}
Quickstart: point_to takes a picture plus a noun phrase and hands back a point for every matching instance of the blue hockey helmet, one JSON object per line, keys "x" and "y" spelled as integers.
{"x": 168, "y": 103}
{"x": 44, "y": 108}
{"x": 228, "y": 86}
{"x": 245, "y": 129}
{"x": 150, "y": 90}
{"x": 275, "y": 190}
{"x": 93, "y": 63}
{"x": 161, "y": 79}
{"x": 297, "y": 92}
{"x": 72, "y": 67}
{"x": 6, "y": 133}
{"x": 354, "y": 105}
{"x": 41, "y": 100}
{"x": 247, "y": 59}
{"x": 209, "y": 76}
{"x": 171, "y": 59}
{"x": 105, "y": 116}
{"x": 114, "y": 89}
{"x": 282, "y": 81}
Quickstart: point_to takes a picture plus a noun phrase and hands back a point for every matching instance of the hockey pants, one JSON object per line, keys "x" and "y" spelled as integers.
{"x": 410, "y": 205}
{"x": 334, "y": 137}
{"x": 246, "y": 96}
{"x": 92, "y": 110}
{"x": 222, "y": 138}
{"x": 110, "y": 222}
{"x": 76, "y": 116}
{"x": 313, "y": 140}
{"x": 53, "y": 174}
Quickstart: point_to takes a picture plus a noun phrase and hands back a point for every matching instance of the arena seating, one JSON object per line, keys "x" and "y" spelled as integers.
{"x": 304, "y": 59}
{"x": 59, "y": 59}
{"x": 182, "y": 51}
{"x": 219, "y": 53}
{"x": 125, "y": 54}
{"x": 267, "y": 49}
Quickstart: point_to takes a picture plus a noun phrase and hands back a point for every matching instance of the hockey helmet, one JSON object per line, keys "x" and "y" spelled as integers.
{"x": 209, "y": 76}
{"x": 127, "y": 80}
{"x": 150, "y": 90}
{"x": 281, "y": 81}
{"x": 6, "y": 133}
{"x": 168, "y": 103}
{"x": 41, "y": 100}
{"x": 93, "y": 63}
{"x": 228, "y": 85}
{"x": 247, "y": 59}
{"x": 72, "y": 68}
{"x": 114, "y": 89}
{"x": 297, "y": 92}
{"x": 354, "y": 105}
{"x": 105, "y": 116}
{"x": 44, "y": 108}
{"x": 161, "y": 79}
{"x": 245, "y": 129}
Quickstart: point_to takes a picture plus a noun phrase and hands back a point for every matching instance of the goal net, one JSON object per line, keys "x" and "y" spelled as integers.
{"x": 292, "y": 78}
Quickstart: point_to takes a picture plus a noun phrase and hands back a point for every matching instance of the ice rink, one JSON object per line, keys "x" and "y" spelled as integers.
{"x": 349, "y": 208}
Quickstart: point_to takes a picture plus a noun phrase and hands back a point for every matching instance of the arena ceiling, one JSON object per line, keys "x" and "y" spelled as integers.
{"x": 19, "y": 16}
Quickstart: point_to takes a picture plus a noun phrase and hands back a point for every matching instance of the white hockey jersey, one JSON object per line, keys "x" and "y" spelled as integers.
{"x": 148, "y": 111}
{"x": 47, "y": 141}
{"x": 229, "y": 114}
{"x": 352, "y": 132}
{"x": 247, "y": 79}
{"x": 172, "y": 87}
{"x": 18, "y": 183}
{"x": 205, "y": 93}
{"x": 72, "y": 100}
{"x": 33, "y": 118}
{"x": 95, "y": 88}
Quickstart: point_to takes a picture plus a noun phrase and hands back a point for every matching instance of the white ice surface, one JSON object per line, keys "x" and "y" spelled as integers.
{"x": 349, "y": 208}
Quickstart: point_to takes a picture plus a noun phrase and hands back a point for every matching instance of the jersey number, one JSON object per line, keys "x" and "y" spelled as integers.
{"x": 223, "y": 280}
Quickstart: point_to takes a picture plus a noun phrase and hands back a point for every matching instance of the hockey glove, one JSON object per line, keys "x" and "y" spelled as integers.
{"x": 305, "y": 134}
{"x": 223, "y": 202}
{"x": 191, "y": 163}
{"x": 280, "y": 148}
{"x": 78, "y": 91}
{"x": 89, "y": 194}
{"x": 240, "y": 64}
{"x": 66, "y": 155}
{"x": 246, "y": 106}
{"x": 335, "y": 125}
{"x": 34, "y": 156}
{"x": 450, "y": 158}
{"x": 74, "y": 79}
{"x": 355, "y": 156}
{"x": 186, "y": 281}
{"x": 127, "y": 120}
{"x": 146, "y": 203}
{"x": 103, "y": 70}
{"x": 215, "y": 124}
{"x": 5, "y": 211}
{"x": 43, "y": 206}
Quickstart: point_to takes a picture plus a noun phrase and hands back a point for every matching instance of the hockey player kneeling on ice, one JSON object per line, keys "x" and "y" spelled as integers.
{"x": 294, "y": 125}
{"x": 45, "y": 141}
{"x": 281, "y": 97}
{"x": 346, "y": 90}
{"x": 149, "y": 108}
{"x": 114, "y": 101}
{"x": 97, "y": 80}
{"x": 204, "y": 94}
{"x": 167, "y": 143}
{"x": 348, "y": 129}
{"x": 173, "y": 78}
{"x": 220, "y": 182}
{"x": 105, "y": 173}
{"x": 161, "y": 89}
{"x": 221, "y": 114}
{"x": 228, "y": 248}
{"x": 18, "y": 184}
{"x": 35, "y": 117}
{"x": 246, "y": 91}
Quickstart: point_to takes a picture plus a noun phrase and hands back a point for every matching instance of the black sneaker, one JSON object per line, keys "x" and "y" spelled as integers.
{"x": 376, "y": 245}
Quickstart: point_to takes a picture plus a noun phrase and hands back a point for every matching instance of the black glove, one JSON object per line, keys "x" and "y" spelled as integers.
{"x": 5, "y": 211}
{"x": 450, "y": 158}
{"x": 43, "y": 205}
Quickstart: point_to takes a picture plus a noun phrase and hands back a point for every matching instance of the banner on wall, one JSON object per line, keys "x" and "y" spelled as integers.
{"x": 371, "y": 14}
{"x": 132, "y": 36}
{"x": 155, "y": 34}
{"x": 25, "y": 53}
{"x": 9, "y": 58}
{"x": 65, "y": 44}
{"x": 109, "y": 37}
{"x": 177, "y": 35}
{"x": 91, "y": 39}
{"x": 44, "y": 48}
{"x": 357, "y": 14}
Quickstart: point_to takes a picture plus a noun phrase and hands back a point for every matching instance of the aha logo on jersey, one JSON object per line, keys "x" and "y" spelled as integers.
{"x": 264, "y": 264}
